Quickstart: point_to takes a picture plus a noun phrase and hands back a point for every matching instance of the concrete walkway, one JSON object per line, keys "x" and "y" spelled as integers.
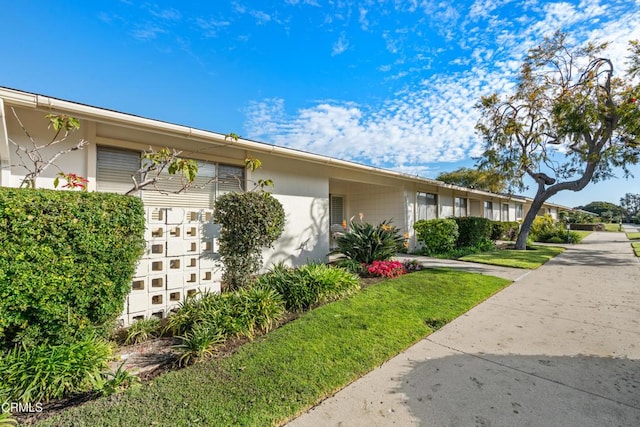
{"x": 559, "y": 347}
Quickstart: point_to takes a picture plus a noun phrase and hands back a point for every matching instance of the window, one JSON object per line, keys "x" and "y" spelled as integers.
{"x": 461, "y": 206}
{"x": 116, "y": 166}
{"x": 336, "y": 210}
{"x": 505, "y": 212}
{"x": 427, "y": 205}
{"x": 488, "y": 210}
{"x": 519, "y": 211}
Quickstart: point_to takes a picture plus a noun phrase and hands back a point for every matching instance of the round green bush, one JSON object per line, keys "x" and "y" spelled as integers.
{"x": 250, "y": 222}
{"x": 437, "y": 235}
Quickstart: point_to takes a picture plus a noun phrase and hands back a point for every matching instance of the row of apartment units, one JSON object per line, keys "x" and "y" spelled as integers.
{"x": 319, "y": 193}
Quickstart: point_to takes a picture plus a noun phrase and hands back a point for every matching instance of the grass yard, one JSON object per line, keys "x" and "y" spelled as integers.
{"x": 529, "y": 259}
{"x": 612, "y": 227}
{"x": 636, "y": 248}
{"x": 633, "y": 236}
{"x": 283, "y": 373}
{"x": 583, "y": 233}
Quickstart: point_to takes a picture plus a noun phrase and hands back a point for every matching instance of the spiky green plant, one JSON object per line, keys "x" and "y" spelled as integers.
{"x": 7, "y": 420}
{"x": 47, "y": 372}
{"x": 198, "y": 343}
{"x": 310, "y": 284}
{"x": 143, "y": 330}
{"x": 366, "y": 243}
{"x": 117, "y": 381}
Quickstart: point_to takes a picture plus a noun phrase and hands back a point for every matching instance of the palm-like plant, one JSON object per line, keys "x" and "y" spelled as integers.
{"x": 366, "y": 242}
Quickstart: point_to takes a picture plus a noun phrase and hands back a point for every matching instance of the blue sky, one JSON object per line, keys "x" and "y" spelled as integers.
{"x": 382, "y": 82}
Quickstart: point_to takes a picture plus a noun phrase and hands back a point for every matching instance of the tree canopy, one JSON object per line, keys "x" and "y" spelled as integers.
{"x": 487, "y": 180}
{"x": 568, "y": 122}
{"x": 604, "y": 209}
{"x": 631, "y": 202}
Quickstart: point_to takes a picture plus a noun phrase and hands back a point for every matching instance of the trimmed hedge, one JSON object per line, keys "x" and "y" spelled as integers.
{"x": 250, "y": 222}
{"x": 504, "y": 230}
{"x": 66, "y": 262}
{"x": 437, "y": 235}
{"x": 473, "y": 230}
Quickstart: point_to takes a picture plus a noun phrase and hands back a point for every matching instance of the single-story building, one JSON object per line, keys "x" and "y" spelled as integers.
{"x": 318, "y": 193}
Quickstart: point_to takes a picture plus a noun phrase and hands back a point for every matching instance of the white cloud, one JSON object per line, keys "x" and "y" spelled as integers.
{"x": 148, "y": 32}
{"x": 432, "y": 119}
{"x": 168, "y": 14}
{"x": 364, "y": 22}
{"x": 340, "y": 46}
{"x": 211, "y": 27}
{"x": 433, "y": 124}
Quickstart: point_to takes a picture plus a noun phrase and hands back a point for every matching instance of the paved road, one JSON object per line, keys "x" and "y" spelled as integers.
{"x": 559, "y": 347}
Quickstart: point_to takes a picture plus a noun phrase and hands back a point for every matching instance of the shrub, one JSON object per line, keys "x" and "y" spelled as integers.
{"x": 117, "y": 381}
{"x": 198, "y": 342}
{"x": 238, "y": 313}
{"x": 558, "y": 234}
{"x": 250, "y": 222}
{"x": 366, "y": 243}
{"x": 352, "y": 266}
{"x": 142, "y": 330}
{"x": 385, "y": 269}
{"x": 540, "y": 225}
{"x": 66, "y": 262}
{"x": 472, "y": 229}
{"x": 437, "y": 235}
{"x": 258, "y": 309}
{"x": 311, "y": 284}
{"x": 504, "y": 230}
{"x": 47, "y": 372}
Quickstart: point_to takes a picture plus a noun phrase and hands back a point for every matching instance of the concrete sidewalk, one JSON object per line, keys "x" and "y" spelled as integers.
{"x": 559, "y": 347}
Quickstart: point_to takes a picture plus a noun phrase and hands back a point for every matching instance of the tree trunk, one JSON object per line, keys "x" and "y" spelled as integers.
{"x": 523, "y": 235}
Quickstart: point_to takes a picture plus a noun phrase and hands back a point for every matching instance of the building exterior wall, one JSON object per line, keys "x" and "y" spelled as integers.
{"x": 181, "y": 254}
{"x": 303, "y": 190}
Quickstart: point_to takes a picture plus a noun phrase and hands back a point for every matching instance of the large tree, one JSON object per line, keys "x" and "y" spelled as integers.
{"x": 601, "y": 209}
{"x": 568, "y": 122}
{"x": 487, "y": 180}
{"x": 631, "y": 202}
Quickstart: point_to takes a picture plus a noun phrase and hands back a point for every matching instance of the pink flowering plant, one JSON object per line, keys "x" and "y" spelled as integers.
{"x": 385, "y": 269}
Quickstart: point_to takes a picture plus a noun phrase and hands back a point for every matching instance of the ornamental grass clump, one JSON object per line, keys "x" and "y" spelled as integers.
{"x": 311, "y": 284}
{"x": 44, "y": 372}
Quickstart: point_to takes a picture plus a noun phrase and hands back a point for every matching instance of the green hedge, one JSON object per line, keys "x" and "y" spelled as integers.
{"x": 504, "y": 230}
{"x": 473, "y": 230}
{"x": 66, "y": 262}
{"x": 437, "y": 235}
{"x": 250, "y": 222}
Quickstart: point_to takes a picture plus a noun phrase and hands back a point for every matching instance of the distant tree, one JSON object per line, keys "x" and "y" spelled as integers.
{"x": 487, "y": 180}
{"x": 631, "y": 202}
{"x": 569, "y": 122}
{"x": 605, "y": 209}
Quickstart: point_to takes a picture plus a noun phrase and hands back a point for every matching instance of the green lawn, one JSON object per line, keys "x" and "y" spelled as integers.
{"x": 282, "y": 374}
{"x": 636, "y": 248}
{"x": 612, "y": 227}
{"x": 530, "y": 259}
{"x": 583, "y": 233}
{"x": 633, "y": 236}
